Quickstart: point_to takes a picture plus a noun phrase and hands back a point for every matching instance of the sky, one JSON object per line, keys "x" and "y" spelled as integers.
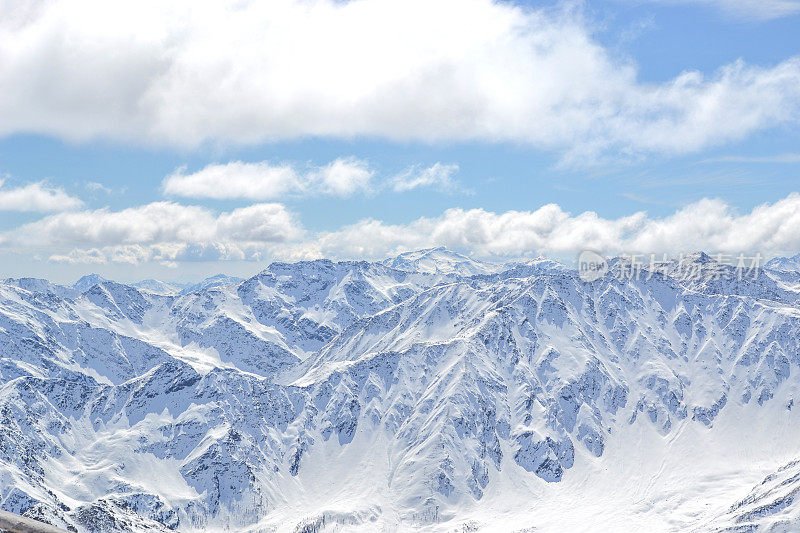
{"x": 179, "y": 141}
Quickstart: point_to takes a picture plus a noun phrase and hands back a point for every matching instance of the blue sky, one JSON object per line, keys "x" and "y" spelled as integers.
{"x": 145, "y": 144}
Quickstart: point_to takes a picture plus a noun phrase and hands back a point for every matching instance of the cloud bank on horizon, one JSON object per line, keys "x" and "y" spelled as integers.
{"x": 167, "y": 232}
{"x": 192, "y": 77}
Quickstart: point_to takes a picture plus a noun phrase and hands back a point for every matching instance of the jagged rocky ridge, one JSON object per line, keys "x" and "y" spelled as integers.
{"x": 232, "y": 406}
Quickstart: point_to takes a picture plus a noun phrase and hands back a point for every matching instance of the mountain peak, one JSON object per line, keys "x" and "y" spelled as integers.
{"x": 88, "y": 281}
{"x": 699, "y": 257}
{"x": 157, "y": 286}
{"x": 217, "y": 280}
{"x": 440, "y": 260}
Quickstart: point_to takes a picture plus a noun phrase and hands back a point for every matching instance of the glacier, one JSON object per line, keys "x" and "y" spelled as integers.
{"x": 429, "y": 391}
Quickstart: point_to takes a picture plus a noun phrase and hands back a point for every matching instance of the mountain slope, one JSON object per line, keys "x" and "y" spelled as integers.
{"x": 360, "y": 395}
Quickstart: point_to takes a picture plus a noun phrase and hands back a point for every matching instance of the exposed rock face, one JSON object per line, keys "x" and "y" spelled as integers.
{"x": 439, "y": 377}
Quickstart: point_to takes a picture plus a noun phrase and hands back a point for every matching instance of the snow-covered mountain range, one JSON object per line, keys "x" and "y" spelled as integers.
{"x": 790, "y": 264}
{"x": 165, "y": 288}
{"x": 425, "y": 392}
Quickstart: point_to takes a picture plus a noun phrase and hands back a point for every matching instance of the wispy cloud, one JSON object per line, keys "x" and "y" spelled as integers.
{"x": 694, "y": 176}
{"x": 780, "y": 158}
{"x": 745, "y": 9}
{"x": 265, "y": 180}
{"x": 97, "y": 187}
{"x": 437, "y": 176}
{"x": 641, "y": 199}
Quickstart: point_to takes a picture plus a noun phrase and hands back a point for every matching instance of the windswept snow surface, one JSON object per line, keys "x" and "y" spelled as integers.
{"x": 425, "y": 392}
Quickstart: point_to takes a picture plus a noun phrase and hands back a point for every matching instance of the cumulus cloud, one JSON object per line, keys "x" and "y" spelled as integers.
{"x": 547, "y": 230}
{"x": 165, "y": 226}
{"x": 37, "y": 197}
{"x": 423, "y": 70}
{"x": 79, "y": 256}
{"x": 343, "y": 177}
{"x": 170, "y": 233}
{"x": 438, "y": 176}
{"x": 747, "y": 9}
{"x": 161, "y": 232}
{"x": 710, "y": 225}
{"x": 264, "y": 180}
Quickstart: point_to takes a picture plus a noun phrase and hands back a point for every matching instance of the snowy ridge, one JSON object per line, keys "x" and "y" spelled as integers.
{"x": 158, "y": 287}
{"x": 786, "y": 264}
{"x": 217, "y": 280}
{"x": 165, "y": 288}
{"x": 426, "y": 391}
{"x": 441, "y": 261}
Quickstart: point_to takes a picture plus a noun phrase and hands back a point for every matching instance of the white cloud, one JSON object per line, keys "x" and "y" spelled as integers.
{"x": 37, "y": 197}
{"x": 747, "y": 9}
{"x": 170, "y": 233}
{"x": 438, "y": 176}
{"x": 548, "y": 230}
{"x": 259, "y": 222}
{"x": 343, "y": 177}
{"x": 423, "y": 70}
{"x": 710, "y": 225}
{"x": 255, "y": 181}
{"x": 159, "y": 223}
{"x": 78, "y": 256}
{"x": 169, "y": 254}
{"x": 264, "y": 180}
